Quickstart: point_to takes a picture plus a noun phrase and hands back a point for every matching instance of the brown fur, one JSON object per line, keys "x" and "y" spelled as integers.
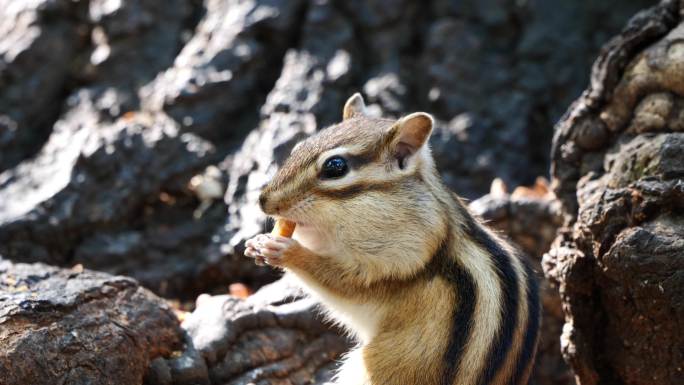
{"x": 388, "y": 251}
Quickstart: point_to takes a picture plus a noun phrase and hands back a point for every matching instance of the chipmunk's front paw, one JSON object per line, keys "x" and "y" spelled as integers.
{"x": 273, "y": 249}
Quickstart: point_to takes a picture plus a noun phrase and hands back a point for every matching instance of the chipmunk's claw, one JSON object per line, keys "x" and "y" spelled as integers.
{"x": 271, "y": 248}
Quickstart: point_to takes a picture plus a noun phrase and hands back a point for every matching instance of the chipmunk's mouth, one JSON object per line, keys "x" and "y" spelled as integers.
{"x": 299, "y": 213}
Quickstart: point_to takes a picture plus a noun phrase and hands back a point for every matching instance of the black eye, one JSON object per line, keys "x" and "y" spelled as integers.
{"x": 334, "y": 167}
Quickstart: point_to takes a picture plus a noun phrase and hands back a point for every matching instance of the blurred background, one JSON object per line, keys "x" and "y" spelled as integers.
{"x": 136, "y": 134}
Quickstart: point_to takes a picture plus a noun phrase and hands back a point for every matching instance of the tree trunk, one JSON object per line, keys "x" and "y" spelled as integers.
{"x": 617, "y": 168}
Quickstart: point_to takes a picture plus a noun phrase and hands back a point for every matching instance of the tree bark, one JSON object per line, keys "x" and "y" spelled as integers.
{"x": 76, "y": 326}
{"x": 274, "y": 337}
{"x": 618, "y": 163}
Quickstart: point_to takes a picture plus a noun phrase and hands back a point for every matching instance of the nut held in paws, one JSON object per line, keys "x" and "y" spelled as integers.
{"x": 284, "y": 228}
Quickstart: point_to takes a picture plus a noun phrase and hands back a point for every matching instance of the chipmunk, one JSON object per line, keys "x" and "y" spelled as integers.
{"x": 430, "y": 294}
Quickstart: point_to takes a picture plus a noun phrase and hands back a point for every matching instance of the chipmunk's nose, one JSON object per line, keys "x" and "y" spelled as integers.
{"x": 262, "y": 201}
{"x": 270, "y": 202}
{"x": 267, "y": 204}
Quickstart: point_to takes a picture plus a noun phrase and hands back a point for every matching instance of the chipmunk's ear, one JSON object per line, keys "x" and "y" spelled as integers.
{"x": 354, "y": 107}
{"x": 409, "y": 134}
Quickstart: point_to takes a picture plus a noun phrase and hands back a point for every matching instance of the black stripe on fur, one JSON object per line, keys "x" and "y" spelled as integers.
{"x": 462, "y": 319}
{"x": 532, "y": 331}
{"x": 508, "y": 279}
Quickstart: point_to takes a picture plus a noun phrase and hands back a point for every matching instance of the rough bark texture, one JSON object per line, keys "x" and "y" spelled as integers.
{"x": 75, "y": 326}
{"x": 274, "y": 337}
{"x": 129, "y": 213}
{"x": 618, "y": 168}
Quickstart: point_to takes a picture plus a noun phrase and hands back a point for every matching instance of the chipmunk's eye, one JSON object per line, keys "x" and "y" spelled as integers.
{"x": 334, "y": 167}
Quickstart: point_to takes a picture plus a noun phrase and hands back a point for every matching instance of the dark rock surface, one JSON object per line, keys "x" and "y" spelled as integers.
{"x": 32, "y": 78}
{"x": 113, "y": 196}
{"x": 618, "y": 170}
{"x": 75, "y": 326}
{"x": 219, "y": 78}
{"x": 50, "y": 48}
{"x": 498, "y": 74}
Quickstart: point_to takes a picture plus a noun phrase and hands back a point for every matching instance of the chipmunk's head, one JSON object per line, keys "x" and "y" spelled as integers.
{"x": 362, "y": 169}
